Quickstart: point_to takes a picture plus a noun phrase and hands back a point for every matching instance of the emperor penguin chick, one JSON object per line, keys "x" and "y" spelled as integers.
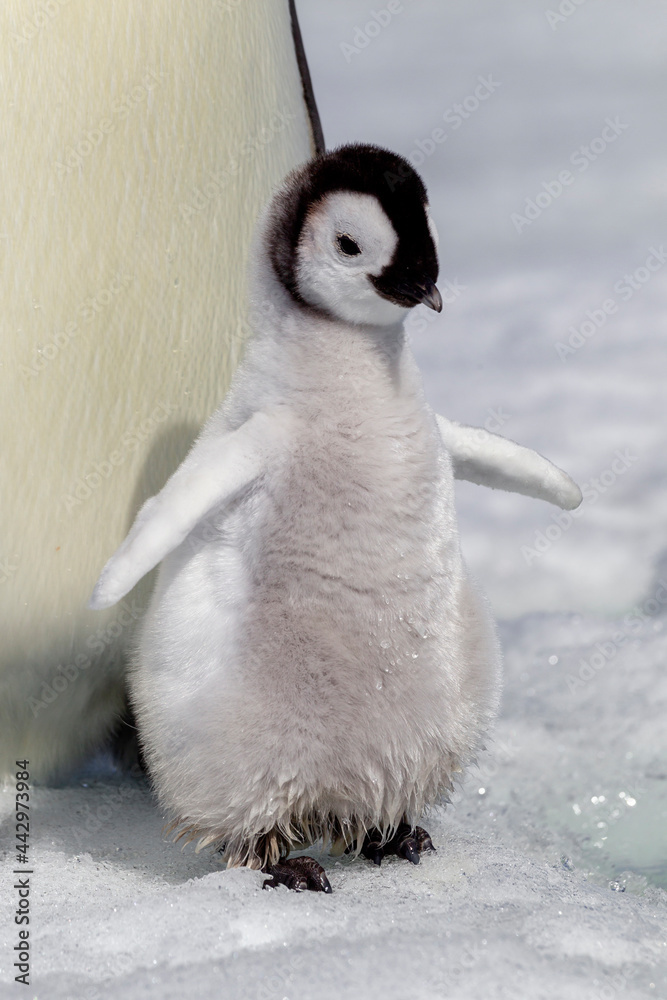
{"x": 315, "y": 662}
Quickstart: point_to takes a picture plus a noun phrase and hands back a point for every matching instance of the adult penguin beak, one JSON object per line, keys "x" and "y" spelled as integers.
{"x": 407, "y": 292}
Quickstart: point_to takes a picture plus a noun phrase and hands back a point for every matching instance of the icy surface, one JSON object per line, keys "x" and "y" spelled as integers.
{"x": 550, "y": 875}
{"x": 533, "y": 892}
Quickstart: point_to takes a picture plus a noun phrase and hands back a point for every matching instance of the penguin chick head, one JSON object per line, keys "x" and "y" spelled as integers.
{"x": 350, "y": 235}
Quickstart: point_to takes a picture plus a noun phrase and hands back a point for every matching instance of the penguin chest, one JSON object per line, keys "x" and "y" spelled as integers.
{"x": 350, "y": 500}
{"x": 355, "y": 554}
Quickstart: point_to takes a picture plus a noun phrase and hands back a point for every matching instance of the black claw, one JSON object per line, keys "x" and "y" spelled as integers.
{"x": 424, "y": 842}
{"x": 409, "y": 850}
{"x": 318, "y": 882}
{"x": 373, "y": 850}
{"x": 292, "y": 880}
{"x": 298, "y": 874}
{"x": 406, "y": 843}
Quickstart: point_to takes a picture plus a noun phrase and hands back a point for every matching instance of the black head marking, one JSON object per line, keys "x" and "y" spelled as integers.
{"x": 367, "y": 170}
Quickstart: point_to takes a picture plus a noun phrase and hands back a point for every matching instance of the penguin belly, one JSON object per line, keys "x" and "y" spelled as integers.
{"x": 322, "y": 665}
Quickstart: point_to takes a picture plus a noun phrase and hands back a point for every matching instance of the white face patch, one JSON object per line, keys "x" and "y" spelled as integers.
{"x": 331, "y": 274}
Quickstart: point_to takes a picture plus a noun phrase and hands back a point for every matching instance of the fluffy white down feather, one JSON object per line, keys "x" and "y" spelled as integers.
{"x": 315, "y": 659}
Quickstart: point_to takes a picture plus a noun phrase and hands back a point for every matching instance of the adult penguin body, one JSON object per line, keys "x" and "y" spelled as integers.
{"x": 316, "y": 662}
{"x": 139, "y": 143}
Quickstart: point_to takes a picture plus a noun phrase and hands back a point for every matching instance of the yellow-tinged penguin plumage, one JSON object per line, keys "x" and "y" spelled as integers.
{"x": 139, "y": 143}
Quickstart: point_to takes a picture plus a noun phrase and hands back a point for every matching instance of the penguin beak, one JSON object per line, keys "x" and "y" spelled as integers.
{"x": 410, "y": 293}
{"x": 431, "y": 297}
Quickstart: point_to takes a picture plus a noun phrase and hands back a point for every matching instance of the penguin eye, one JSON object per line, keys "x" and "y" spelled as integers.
{"x": 347, "y": 245}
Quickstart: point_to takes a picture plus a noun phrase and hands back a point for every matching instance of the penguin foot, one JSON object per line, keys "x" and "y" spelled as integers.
{"x": 297, "y": 874}
{"x": 406, "y": 843}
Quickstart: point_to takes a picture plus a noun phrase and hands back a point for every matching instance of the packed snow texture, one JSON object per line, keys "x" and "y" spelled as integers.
{"x": 531, "y": 894}
{"x": 548, "y": 879}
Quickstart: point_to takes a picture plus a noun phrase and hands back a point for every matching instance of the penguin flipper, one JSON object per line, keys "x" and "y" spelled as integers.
{"x": 491, "y": 460}
{"x": 217, "y": 468}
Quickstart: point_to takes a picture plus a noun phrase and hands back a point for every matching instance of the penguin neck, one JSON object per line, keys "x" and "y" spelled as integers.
{"x": 318, "y": 344}
{"x": 330, "y": 356}
{"x": 303, "y": 350}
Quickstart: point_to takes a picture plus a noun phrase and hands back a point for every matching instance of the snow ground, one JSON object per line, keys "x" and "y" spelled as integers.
{"x": 523, "y": 898}
{"x": 533, "y": 892}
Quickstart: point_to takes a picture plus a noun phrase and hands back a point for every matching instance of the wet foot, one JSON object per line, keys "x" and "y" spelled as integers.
{"x": 406, "y": 843}
{"x": 297, "y": 874}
